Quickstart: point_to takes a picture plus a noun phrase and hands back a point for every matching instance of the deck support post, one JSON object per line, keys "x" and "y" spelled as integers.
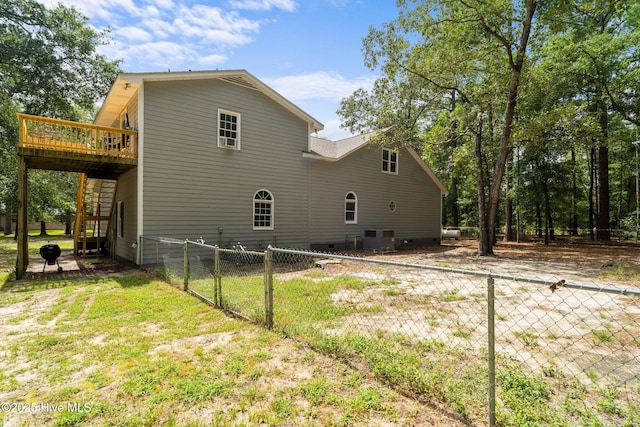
{"x": 22, "y": 228}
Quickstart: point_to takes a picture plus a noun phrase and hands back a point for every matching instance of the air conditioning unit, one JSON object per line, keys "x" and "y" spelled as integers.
{"x": 379, "y": 240}
{"x": 227, "y": 142}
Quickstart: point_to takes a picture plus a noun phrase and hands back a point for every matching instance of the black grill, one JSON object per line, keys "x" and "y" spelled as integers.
{"x": 50, "y": 253}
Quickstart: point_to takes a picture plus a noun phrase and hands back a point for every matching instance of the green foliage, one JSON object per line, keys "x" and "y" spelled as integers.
{"x": 49, "y": 65}
{"x": 443, "y": 62}
{"x": 50, "y": 60}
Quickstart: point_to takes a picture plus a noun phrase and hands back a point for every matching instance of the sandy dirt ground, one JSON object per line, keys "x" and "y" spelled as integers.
{"x": 538, "y": 326}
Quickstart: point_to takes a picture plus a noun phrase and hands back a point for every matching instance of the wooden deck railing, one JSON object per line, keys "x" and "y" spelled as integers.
{"x": 62, "y": 135}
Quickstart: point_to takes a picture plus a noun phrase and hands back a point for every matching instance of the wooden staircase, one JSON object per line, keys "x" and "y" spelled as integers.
{"x": 100, "y": 153}
{"x": 94, "y": 213}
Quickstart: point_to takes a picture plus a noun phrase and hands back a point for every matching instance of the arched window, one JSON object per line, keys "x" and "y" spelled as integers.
{"x": 351, "y": 208}
{"x": 263, "y": 210}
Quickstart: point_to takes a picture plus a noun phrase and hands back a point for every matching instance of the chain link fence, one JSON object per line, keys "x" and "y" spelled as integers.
{"x": 489, "y": 348}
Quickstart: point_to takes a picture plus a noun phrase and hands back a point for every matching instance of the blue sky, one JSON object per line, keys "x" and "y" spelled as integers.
{"x": 308, "y": 50}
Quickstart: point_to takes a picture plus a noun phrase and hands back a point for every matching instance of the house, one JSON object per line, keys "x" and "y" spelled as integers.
{"x": 359, "y": 190}
{"x": 219, "y": 154}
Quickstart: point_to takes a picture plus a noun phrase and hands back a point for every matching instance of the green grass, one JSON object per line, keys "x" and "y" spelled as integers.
{"x": 454, "y": 377}
{"x": 296, "y": 301}
{"x": 134, "y": 375}
{"x": 602, "y": 336}
{"x": 141, "y": 352}
{"x": 451, "y": 296}
{"x": 135, "y": 351}
{"x": 529, "y": 339}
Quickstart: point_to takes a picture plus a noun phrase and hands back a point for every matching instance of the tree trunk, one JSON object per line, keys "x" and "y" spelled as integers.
{"x": 548, "y": 220}
{"x": 7, "y": 224}
{"x": 508, "y": 210}
{"x": 546, "y": 230}
{"x": 67, "y": 227}
{"x": 43, "y": 228}
{"x": 603, "y": 232}
{"x": 484, "y": 245}
{"x": 538, "y": 219}
{"x": 455, "y": 213}
{"x": 573, "y": 222}
{"x": 592, "y": 185}
{"x": 505, "y": 139}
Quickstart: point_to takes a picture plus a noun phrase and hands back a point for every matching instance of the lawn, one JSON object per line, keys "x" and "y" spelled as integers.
{"x": 131, "y": 350}
{"x": 424, "y": 333}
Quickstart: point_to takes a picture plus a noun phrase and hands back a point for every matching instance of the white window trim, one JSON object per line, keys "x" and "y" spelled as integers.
{"x": 221, "y": 140}
{"x": 389, "y": 162}
{"x": 253, "y": 210}
{"x": 355, "y": 211}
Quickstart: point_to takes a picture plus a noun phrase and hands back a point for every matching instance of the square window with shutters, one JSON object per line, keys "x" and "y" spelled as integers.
{"x": 228, "y": 130}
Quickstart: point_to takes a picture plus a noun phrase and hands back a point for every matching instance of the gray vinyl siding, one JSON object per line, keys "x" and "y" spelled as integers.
{"x": 193, "y": 188}
{"x": 417, "y": 198}
{"x": 127, "y": 193}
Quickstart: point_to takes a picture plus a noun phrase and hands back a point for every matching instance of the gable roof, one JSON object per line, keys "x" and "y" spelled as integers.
{"x": 324, "y": 149}
{"x": 335, "y": 150}
{"x": 126, "y": 85}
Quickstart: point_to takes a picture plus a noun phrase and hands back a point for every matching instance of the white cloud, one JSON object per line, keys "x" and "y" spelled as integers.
{"x": 211, "y": 61}
{"x": 333, "y": 131}
{"x": 201, "y": 16}
{"x": 163, "y": 54}
{"x": 320, "y": 85}
{"x": 174, "y": 34}
{"x": 162, "y": 4}
{"x": 224, "y": 38}
{"x": 320, "y": 94}
{"x": 159, "y": 28}
{"x": 286, "y": 5}
{"x": 134, "y": 34}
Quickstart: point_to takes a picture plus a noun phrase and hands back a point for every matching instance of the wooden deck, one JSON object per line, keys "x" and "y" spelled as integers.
{"x": 98, "y": 151}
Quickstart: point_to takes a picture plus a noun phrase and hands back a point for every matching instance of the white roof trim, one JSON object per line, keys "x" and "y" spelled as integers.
{"x": 330, "y": 151}
{"x": 126, "y": 84}
{"x": 427, "y": 169}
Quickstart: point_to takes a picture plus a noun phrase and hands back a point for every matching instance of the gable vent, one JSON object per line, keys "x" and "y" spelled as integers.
{"x": 241, "y": 81}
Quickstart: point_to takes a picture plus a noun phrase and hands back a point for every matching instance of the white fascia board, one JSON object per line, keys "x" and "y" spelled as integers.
{"x": 140, "y": 78}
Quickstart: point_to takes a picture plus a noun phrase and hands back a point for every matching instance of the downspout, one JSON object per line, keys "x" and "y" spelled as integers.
{"x": 140, "y": 177}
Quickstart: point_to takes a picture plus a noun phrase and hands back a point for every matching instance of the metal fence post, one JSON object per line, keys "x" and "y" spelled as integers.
{"x": 268, "y": 287}
{"x": 186, "y": 267}
{"x": 217, "y": 277}
{"x": 491, "y": 359}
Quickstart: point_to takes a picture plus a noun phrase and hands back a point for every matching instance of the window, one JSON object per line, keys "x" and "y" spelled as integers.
{"x": 389, "y": 161}
{"x": 119, "y": 225}
{"x": 263, "y": 210}
{"x": 228, "y": 130}
{"x": 351, "y": 208}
